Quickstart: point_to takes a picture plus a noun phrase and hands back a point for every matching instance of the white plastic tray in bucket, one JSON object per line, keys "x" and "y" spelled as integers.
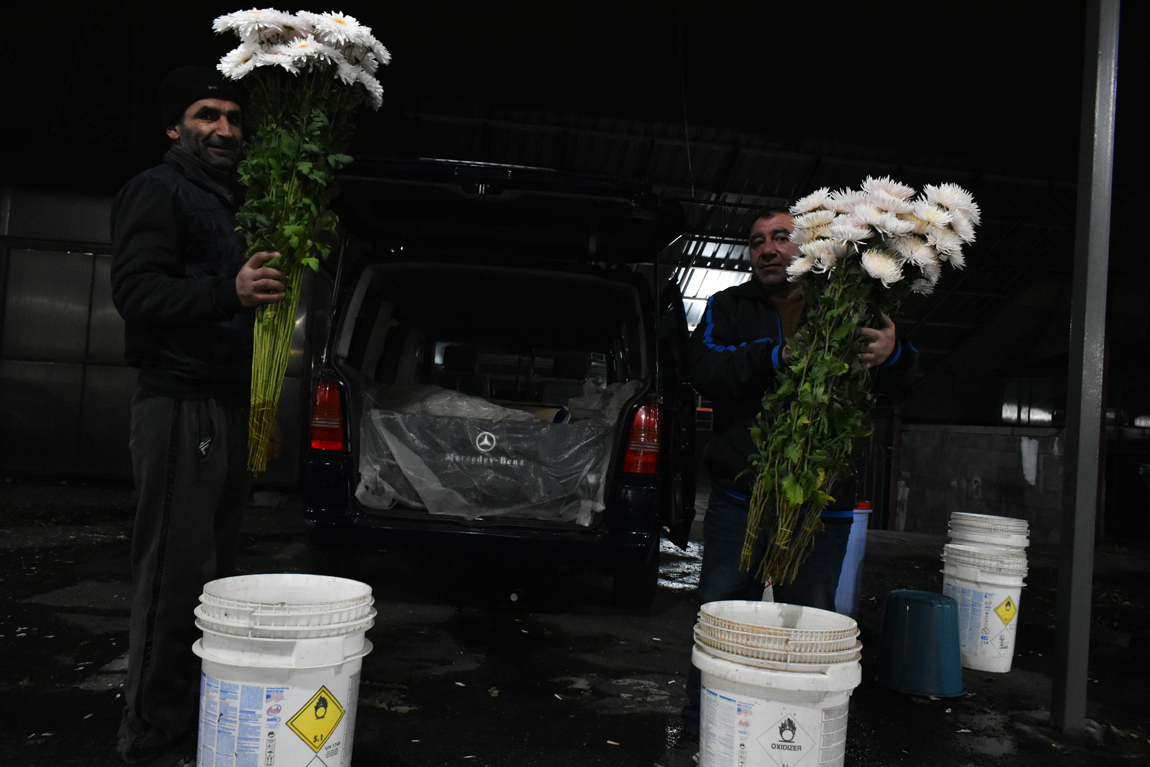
{"x": 774, "y": 641}
{"x": 782, "y": 660}
{"x": 281, "y": 655}
{"x": 989, "y": 530}
{"x": 286, "y": 599}
{"x": 987, "y": 585}
{"x": 989, "y": 522}
{"x": 998, "y": 540}
{"x": 996, "y": 560}
{"x": 754, "y": 717}
{"x": 794, "y": 622}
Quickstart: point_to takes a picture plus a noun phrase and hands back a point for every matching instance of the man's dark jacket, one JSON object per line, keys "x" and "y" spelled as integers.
{"x": 175, "y": 257}
{"x": 735, "y": 353}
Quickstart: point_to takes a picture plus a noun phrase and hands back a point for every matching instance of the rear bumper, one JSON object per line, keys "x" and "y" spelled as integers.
{"x": 624, "y": 537}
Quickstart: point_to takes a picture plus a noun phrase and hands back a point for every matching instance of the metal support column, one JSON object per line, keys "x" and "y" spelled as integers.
{"x": 1085, "y": 381}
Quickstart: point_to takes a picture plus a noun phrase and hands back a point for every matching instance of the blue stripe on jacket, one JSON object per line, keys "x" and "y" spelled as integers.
{"x": 710, "y": 326}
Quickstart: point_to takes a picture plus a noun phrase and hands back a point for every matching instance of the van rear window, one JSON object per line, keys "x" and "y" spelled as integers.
{"x": 507, "y": 334}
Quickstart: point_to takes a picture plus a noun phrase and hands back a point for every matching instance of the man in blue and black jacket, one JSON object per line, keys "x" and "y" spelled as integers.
{"x": 736, "y": 351}
{"x": 186, "y": 290}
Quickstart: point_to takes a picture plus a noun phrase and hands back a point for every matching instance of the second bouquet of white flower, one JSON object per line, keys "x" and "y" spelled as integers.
{"x": 897, "y": 236}
{"x": 862, "y": 252}
{"x": 306, "y": 73}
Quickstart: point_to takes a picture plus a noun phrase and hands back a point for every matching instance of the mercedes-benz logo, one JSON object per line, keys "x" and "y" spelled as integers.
{"x": 485, "y": 441}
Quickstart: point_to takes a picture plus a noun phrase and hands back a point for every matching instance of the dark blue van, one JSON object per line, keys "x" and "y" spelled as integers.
{"x": 505, "y": 369}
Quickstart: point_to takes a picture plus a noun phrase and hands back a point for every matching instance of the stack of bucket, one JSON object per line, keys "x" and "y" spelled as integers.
{"x": 281, "y": 664}
{"x": 983, "y": 568}
{"x": 776, "y": 683}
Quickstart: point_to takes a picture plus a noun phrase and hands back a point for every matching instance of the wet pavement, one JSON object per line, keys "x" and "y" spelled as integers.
{"x": 480, "y": 662}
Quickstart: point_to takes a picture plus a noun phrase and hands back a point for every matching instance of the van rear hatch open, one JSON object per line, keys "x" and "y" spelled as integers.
{"x": 503, "y": 368}
{"x": 490, "y": 390}
{"x": 504, "y": 210}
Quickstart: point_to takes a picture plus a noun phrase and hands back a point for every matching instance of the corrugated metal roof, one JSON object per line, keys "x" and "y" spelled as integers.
{"x": 723, "y": 178}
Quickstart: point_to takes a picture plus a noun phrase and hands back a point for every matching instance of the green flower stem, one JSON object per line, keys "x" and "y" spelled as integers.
{"x": 272, "y": 349}
{"x": 303, "y": 127}
{"x": 809, "y": 424}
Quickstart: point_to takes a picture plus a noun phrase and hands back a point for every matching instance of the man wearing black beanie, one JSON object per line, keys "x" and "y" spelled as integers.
{"x": 187, "y": 290}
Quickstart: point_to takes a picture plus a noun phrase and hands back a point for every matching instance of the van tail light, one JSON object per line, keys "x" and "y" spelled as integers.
{"x": 326, "y": 431}
{"x": 642, "y": 456}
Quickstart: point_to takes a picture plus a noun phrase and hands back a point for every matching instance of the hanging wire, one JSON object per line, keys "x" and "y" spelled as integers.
{"x": 683, "y": 90}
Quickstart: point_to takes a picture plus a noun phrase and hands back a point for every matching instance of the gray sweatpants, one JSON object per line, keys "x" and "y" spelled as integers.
{"x": 190, "y": 462}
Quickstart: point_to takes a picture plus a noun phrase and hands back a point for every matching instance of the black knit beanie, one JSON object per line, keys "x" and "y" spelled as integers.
{"x": 187, "y": 85}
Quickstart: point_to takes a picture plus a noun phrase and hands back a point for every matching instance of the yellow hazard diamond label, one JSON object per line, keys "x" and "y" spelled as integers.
{"x": 1007, "y": 610}
{"x": 317, "y": 720}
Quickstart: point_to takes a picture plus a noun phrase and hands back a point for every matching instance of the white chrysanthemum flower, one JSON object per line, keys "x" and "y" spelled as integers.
{"x": 347, "y": 72}
{"x": 882, "y": 221}
{"x": 825, "y": 253}
{"x": 882, "y": 266}
{"x": 956, "y": 258}
{"x": 894, "y": 225}
{"x": 963, "y": 226}
{"x": 801, "y": 236}
{"x": 846, "y": 229}
{"x": 373, "y": 88}
{"x": 277, "y": 56}
{"x": 845, "y": 200}
{"x": 953, "y": 197}
{"x": 913, "y": 249}
{"x": 866, "y": 213}
{"x": 305, "y": 23}
{"x": 339, "y": 29}
{"x": 813, "y": 219}
{"x": 812, "y": 201}
{"x": 368, "y": 55}
{"x": 309, "y": 52}
{"x": 382, "y": 55}
{"x": 257, "y": 25}
{"x": 944, "y": 241}
{"x": 799, "y": 266}
{"x": 931, "y": 270}
{"x": 363, "y": 58}
{"x": 948, "y": 195}
{"x": 888, "y": 202}
{"x": 922, "y": 287}
{"x": 889, "y": 186}
{"x": 239, "y": 62}
{"x": 931, "y": 215}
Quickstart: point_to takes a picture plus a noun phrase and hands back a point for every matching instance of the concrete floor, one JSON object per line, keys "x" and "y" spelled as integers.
{"x": 461, "y": 674}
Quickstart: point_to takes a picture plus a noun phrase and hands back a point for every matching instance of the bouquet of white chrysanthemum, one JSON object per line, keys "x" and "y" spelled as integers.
{"x": 306, "y": 73}
{"x": 862, "y": 252}
{"x": 889, "y": 231}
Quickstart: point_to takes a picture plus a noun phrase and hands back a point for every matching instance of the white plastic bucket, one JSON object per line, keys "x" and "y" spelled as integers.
{"x": 754, "y": 717}
{"x": 280, "y": 678}
{"x": 850, "y": 579}
{"x": 987, "y": 584}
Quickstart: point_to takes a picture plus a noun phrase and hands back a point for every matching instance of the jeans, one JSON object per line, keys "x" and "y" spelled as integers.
{"x": 724, "y": 528}
{"x": 189, "y": 458}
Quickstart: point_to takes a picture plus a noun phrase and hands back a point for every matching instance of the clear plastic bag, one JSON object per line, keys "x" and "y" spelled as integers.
{"x": 478, "y": 467}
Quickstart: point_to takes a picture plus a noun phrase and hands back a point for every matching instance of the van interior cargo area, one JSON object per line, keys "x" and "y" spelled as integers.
{"x": 487, "y": 392}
